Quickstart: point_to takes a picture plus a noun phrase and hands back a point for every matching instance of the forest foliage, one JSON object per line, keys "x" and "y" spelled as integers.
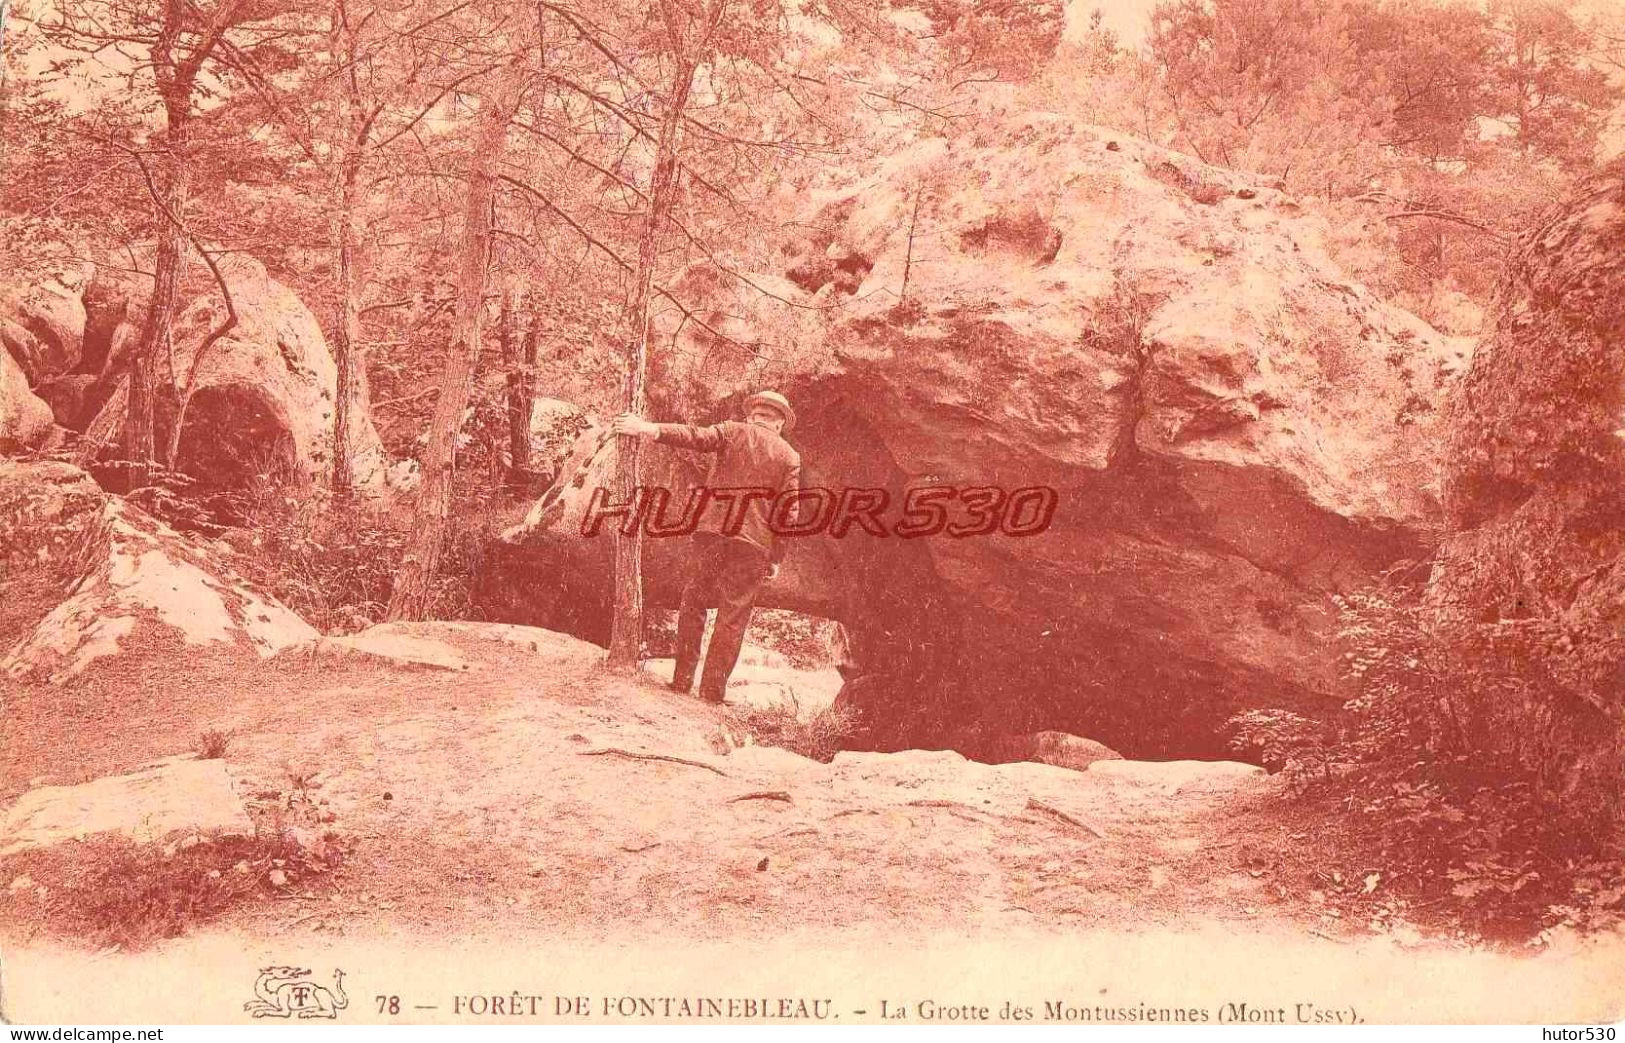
{"x": 335, "y": 142}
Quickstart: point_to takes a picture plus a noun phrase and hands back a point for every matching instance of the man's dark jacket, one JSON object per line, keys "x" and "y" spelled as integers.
{"x": 748, "y": 456}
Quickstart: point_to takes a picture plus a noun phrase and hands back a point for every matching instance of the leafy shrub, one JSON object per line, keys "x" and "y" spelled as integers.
{"x": 334, "y": 568}
{"x": 1283, "y": 741}
{"x": 334, "y": 563}
{"x": 1467, "y": 719}
{"x": 1387, "y": 656}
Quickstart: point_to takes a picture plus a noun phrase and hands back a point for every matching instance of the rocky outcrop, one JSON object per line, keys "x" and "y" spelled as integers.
{"x": 176, "y": 796}
{"x": 262, "y": 397}
{"x": 25, "y": 420}
{"x": 114, "y": 303}
{"x": 389, "y": 645}
{"x": 47, "y": 512}
{"x": 554, "y": 426}
{"x": 258, "y": 400}
{"x": 130, "y": 582}
{"x": 1530, "y": 588}
{"x": 1232, "y": 429}
{"x": 1054, "y": 748}
{"x": 44, "y": 322}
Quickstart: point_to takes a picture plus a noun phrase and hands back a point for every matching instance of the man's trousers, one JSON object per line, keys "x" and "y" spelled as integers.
{"x": 725, "y": 573}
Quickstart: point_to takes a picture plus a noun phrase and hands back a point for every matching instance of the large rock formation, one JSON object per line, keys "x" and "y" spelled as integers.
{"x": 1530, "y": 589}
{"x": 42, "y": 324}
{"x": 258, "y": 400}
{"x": 262, "y": 396}
{"x": 118, "y": 579}
{"x": 193, "y": 798}
{"x": 25, "y": 420}
{"x": 1232, "y": 428}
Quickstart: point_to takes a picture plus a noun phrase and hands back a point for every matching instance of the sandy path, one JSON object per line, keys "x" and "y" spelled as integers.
{"x": 516, "y": 804}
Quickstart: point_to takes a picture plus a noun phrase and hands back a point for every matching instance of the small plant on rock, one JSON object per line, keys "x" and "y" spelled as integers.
{"x": 213, "y": 744}
{"x": 110, "y": 890}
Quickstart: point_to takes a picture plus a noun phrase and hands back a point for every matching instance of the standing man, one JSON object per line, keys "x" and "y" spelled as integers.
{"x": 728, "y": 563}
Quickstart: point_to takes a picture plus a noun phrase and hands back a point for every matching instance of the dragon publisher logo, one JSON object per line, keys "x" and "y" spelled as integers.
{"x": 282, "y": 992}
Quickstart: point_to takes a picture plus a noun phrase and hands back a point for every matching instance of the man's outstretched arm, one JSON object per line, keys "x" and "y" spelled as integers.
{"x": 678, "y": 436}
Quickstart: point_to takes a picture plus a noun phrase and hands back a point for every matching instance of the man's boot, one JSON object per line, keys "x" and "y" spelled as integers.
{"x": 690, "y": 631}
{"x": 682, "y": 677}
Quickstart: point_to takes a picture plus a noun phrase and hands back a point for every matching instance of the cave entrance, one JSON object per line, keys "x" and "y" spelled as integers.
{"x": 233, "y": 444}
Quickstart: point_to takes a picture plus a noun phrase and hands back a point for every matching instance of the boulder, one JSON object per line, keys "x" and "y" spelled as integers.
{"x": 554, "y": 425}
{"x": 25, "y": 419}
{"x": 135, "y": 583}
{"x": 114, "y": 303}
{"x": 21, "y": 346}
{"x": 262, "y": 396}
{"x": 47, "y": 511}
{"x": 1186, "y": 776}
{"x": 386, "y": 648}
{"x": 1054, "y": 748}
{"x": 191, "y": 797}
{"x": 73, "y": 398}
{"x": 1232, "y": 430}
{"x": 51, "y": 312}
{"x": 1456, "y": 313}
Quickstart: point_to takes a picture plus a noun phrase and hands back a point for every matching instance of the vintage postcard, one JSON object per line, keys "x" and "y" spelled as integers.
{"x": 782, "y": 511}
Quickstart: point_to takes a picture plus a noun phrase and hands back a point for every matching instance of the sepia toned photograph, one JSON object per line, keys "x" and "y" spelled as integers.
{"x": 812, "y": 511}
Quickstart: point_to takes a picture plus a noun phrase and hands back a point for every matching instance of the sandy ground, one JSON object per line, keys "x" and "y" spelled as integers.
{"x": 536, "y": 824}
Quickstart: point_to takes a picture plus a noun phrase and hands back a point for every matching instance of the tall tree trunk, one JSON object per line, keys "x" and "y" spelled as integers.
{"x": 346, "y": 173}
{"x": 175, "y": 70}
{"x": 531, "y": 353}
{"x": 626, "y": 624}
{"x": 347, "y": 333}
{"x": 414, "y": 584}
{"x": 140, "y": 440}
{"x": 518, "y": 357}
